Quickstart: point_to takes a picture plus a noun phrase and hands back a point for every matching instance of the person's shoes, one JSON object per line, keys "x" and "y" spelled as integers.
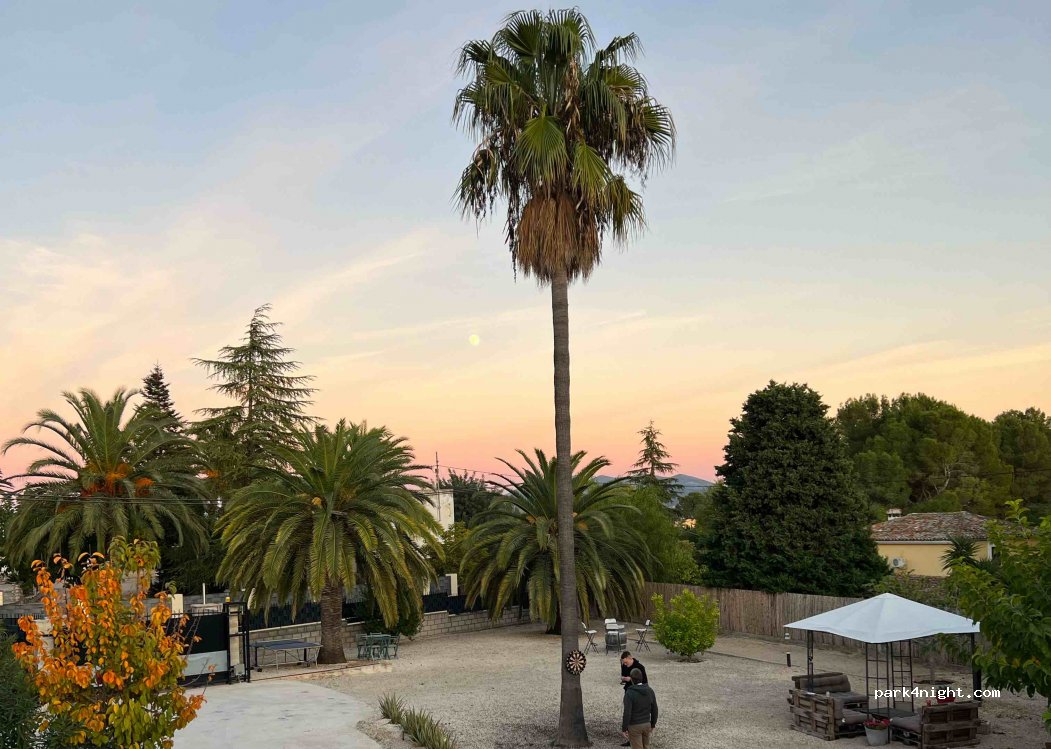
{"x": 626, "y": 743}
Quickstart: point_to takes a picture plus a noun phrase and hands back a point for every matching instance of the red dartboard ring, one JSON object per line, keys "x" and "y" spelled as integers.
{"x": 576, "y": 662}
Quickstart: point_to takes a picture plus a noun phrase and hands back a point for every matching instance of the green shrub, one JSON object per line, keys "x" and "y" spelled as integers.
{"x": 687, "y": 625}
{"x": 20, "y": 706}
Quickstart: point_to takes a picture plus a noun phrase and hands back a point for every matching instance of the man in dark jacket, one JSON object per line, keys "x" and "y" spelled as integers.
{"x": 640, "y": 712}
{"x": 628, "y": 662}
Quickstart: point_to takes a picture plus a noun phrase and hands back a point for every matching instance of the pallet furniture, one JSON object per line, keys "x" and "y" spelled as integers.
{"x": 822, "y": 716}
{"x": 823, "y": 705}
{"x": 939, "y": 726}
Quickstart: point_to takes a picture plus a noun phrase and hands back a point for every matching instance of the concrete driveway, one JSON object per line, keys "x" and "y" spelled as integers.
{"x": 278, "y": 714}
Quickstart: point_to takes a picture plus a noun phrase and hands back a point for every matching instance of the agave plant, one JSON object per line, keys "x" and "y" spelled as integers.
{"x": 513, "y": 549}
{"x": 112, "y": 471}
{"x": 392, "y": 707}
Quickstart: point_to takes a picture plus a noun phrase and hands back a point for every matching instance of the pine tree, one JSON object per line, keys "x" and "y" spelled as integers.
{"x": 654, "y": 461}
{"x": 789, "y": 517}
{"x": 157, "y": 397}
{"x": 258, "y": 374}
{"x": 270, "y": 403}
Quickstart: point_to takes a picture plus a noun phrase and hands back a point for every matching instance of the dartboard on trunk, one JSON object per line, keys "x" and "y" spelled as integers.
{"x": 575, "y": 662}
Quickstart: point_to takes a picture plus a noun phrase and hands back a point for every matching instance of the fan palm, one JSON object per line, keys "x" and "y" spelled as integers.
{"x": 344, "y": 510}
{"x": 560, "y": 125}
{"x": 104, "y": 476}
{"x": 514, "y": 546}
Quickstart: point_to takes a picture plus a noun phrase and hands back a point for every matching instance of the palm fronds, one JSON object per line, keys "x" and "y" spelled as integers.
{"x": 560, "y": 123}
{"x": 513, "y": 549}
{"x": 102, "y": 474}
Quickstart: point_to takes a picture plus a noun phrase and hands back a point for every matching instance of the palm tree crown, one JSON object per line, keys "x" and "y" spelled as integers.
{"x": 513, "y": 548}
{"x": 104, "y": 476}
{"x": 344, "y": 510}
{"x": 560, "y": 124}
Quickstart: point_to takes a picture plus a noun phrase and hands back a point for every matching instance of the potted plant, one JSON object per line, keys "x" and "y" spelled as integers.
{"x": 877, "y": 731}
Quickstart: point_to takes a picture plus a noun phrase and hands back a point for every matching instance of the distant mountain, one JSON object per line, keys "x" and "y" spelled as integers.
{"x": 688, "y": 483}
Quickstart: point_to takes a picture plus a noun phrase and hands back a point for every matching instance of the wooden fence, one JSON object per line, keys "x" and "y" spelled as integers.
{"x": 753, "y": 612}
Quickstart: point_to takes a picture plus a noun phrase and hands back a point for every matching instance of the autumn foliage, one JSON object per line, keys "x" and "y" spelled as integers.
{"x": 114, "y": 668}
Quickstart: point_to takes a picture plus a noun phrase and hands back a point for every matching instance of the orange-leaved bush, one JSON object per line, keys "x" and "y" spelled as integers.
{"x": 114, "y": 667}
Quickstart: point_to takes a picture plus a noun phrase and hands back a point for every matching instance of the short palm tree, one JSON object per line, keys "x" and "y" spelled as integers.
{"x": 963, "y": 552}
{"x": 513, "y": 548}
{"x": 104, "y": 476}
{"x": 560, "y": 124}
{"x": 345, "y": 509}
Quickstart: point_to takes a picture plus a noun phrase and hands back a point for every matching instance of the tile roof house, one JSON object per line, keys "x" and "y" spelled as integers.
{"x": 916, "y": 542}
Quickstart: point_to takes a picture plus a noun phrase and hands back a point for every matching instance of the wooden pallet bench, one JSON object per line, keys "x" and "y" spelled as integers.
{"x": 945, "y": 726}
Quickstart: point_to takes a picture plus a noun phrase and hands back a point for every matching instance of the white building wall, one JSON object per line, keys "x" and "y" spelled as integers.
{"x": 441, "y": 508}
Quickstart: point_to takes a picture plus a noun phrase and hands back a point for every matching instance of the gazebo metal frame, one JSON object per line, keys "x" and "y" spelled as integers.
{"x": 891, "y": 664}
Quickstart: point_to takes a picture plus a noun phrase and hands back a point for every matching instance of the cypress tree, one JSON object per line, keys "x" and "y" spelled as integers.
{"x": 789, "y": 517}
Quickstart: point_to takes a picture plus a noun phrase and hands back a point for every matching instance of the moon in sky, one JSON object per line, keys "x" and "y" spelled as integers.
{"x": 473, "y": 339}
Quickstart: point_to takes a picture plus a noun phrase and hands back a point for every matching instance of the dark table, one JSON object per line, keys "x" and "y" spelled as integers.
{"x": 286, "y": 646}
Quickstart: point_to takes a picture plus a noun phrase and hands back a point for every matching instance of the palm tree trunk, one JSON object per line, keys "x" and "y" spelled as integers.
{"x": 332, "y": 624}
{"x": 572, "y": 731}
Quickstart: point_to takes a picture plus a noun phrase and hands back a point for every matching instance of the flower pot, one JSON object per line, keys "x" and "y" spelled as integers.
{"x": 877, "y": 736}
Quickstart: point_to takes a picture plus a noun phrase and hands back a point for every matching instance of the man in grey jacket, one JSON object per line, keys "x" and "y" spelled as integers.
{"x": 640, "y": 712}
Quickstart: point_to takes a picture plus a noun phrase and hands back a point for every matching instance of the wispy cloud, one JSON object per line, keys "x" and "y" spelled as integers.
{"x": 894, "y": 146}
{"x": 303, "y": 299}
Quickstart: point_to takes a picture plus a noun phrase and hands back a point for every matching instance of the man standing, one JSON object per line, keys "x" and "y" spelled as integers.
{"x": 640, "y": 712}
{"x": 628, "y": 662}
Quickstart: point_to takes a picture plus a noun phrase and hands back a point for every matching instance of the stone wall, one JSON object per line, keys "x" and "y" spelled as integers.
{"x": 10, "y": 594}
{"x": 434, "y": 625}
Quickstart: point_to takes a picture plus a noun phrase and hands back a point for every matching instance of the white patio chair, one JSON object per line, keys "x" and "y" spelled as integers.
{"x": 591, "y": 638}
{"x": 641, "y": 633}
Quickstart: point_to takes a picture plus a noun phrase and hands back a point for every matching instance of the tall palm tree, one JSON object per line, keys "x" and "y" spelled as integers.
{"x": 514, "y": 548}
{"x": 344, "y": 510}
{"x": 104, "y": 476}
{"x": 561, "y": 124}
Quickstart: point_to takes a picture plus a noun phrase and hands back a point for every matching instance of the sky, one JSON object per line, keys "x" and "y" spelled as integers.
{"x": 859, "y": 201}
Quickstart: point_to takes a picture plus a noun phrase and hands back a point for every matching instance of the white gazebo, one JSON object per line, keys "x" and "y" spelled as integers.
{"x": 887, "y": 624}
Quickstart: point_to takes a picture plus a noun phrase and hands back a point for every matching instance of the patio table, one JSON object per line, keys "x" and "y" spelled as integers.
{"x": 287, "y": 646}
{"x": 616, "y": 637}
{"x": 374, "y": 646}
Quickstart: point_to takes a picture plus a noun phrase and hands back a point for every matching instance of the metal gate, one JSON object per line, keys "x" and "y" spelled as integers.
{"x": 217, "y": 645}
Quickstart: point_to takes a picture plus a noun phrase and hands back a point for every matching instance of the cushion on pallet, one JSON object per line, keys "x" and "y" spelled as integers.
{"x": 853, "y": 717}
{"x": 908, "y": 723}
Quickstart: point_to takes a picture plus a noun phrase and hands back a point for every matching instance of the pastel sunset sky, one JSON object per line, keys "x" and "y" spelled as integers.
{"x": 861, "y": 200}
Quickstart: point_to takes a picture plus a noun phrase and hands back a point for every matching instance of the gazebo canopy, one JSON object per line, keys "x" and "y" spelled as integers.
{"x": 886, "y": 618}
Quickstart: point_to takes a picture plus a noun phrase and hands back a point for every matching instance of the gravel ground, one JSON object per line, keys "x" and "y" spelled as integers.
{"x": 499, "y": 689}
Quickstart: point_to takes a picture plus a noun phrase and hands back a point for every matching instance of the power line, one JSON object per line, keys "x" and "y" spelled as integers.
{"x": 991, "y": 474}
